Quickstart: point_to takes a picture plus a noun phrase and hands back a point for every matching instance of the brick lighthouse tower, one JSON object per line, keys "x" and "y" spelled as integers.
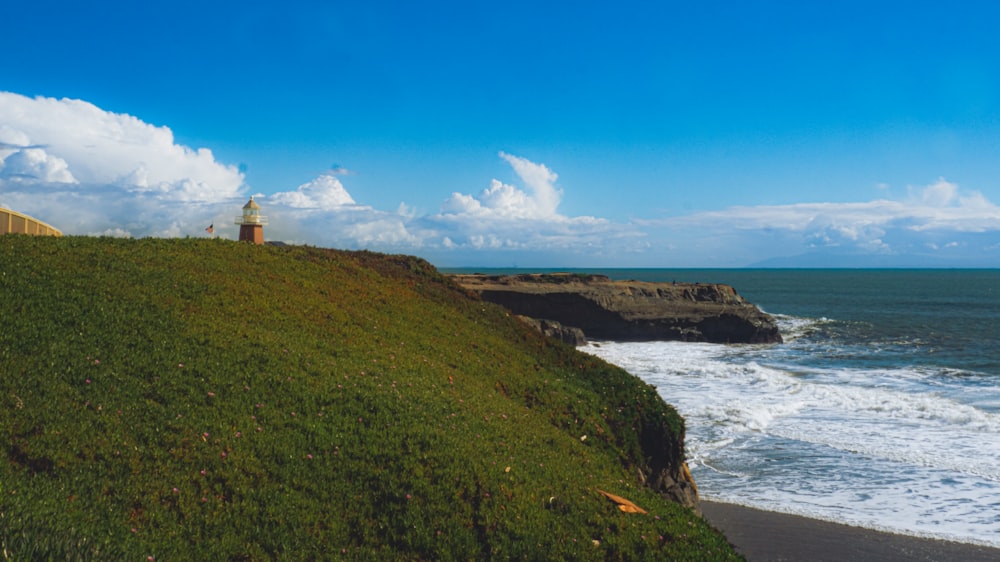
{"x": 252, "y": 223}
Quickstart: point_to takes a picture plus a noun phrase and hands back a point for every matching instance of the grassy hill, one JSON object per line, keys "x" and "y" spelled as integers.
{"x": 205, "y": 399}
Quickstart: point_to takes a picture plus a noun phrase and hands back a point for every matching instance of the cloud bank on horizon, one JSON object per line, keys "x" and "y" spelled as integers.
{"x": 93, "y": 172}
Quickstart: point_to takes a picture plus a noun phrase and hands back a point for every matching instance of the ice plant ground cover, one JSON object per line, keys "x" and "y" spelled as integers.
{"x": 163, "y": 397}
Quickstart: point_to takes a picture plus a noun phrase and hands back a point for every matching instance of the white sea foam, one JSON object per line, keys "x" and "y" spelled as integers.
{"x": 794, "y": 327}
{"x": 887, "y": 448}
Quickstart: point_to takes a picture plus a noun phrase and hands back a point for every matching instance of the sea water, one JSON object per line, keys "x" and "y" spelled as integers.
{"x": 881, "y": 409}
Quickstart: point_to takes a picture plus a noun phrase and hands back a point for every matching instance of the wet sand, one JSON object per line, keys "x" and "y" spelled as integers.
{"x": 764, "y": 536}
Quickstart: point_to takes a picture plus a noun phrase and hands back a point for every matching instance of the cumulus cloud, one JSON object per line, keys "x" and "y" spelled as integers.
{"x": 34, "y": 164}
{"x": 500, "y": 220}
{"x": 324, "y": 193}
{"x": 91, "y": 171}
{"x": 939, "y": 194}
{"x": 506, "y": 217}
{"x": 540, "y": 180}
{"x": 505, "y": 201}
{"x": 101, "y": 147}
{"x": 350, "y": 226}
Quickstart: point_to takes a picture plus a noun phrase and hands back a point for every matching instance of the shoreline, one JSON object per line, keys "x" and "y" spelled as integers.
{"x": 767, "y": 536}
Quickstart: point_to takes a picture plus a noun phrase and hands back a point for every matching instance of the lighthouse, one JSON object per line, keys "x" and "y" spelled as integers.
{"x": 252, "y": 223}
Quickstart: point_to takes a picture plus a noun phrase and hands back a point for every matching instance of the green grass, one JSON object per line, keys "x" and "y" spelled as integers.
{"x": 205, "y": 399}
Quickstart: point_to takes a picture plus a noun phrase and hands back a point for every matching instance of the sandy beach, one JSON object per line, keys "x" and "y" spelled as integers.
{"x": 764, "y": 536}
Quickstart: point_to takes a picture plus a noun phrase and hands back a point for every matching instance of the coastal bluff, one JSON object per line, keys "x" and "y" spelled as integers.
{"x": 629, "y": 310}
{"x": 363, "y": 399}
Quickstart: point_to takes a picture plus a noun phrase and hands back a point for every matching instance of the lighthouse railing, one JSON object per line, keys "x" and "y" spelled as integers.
{"x": 251, "y": 219}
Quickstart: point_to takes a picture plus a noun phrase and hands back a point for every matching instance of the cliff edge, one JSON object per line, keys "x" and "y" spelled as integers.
{"x": 131, "y": 424}
{"x": 629, "y": 310}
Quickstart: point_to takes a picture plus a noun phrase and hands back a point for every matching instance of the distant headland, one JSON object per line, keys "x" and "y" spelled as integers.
{"x": 629, "y": 310}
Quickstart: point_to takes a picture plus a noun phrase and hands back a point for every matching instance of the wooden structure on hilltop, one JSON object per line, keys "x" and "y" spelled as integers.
{"x": 12, "y": 222}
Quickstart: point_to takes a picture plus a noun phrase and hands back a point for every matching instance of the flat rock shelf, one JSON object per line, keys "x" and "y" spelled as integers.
{"x": 629, "y": 310}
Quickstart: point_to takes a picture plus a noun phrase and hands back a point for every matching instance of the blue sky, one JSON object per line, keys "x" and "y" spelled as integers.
{"x": 537, "y": 134}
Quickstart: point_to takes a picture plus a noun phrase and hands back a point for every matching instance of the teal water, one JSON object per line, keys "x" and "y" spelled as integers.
{"x": 882, "y": 409}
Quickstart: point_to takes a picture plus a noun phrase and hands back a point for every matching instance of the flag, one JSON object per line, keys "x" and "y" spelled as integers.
{"x": 211, "y": 228}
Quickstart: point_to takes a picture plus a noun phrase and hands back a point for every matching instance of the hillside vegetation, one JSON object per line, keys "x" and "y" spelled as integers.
{"x": 206, "y": 399}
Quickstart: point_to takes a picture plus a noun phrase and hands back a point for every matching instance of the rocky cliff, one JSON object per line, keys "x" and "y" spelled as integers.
{"x": 553, "y": 329}
{"x": 629, "y": 310}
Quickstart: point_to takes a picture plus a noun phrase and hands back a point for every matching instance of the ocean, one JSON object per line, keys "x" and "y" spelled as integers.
{"x": 880, "y": 410}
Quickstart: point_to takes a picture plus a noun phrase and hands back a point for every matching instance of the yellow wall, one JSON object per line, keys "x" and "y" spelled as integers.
{"x": 12, "y": 222}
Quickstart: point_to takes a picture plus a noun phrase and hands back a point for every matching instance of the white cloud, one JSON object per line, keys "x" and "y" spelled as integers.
{"x": 462, "y": 204}
{"x": 501, "y": 219}
{"x": 390, "y": 232}
{"x": 89, "y": 171}
{"x": 34, "y": 164}
{"x": 939, "y": 194}
{"x": 928, "y": 214}
{"x": 102, "y": 147}
{"x": 325, "y": 193}
{"x": 508, "y": 201}
{"x": 344, "y": 226}
{"x": 499, "y": 200}
{"x": 938, "y": 206}
{"x": 322, "y": 212}
{"x": 540, "y": 180}
{"x": 505, "y": 201}
{"x": 504, "y": 217}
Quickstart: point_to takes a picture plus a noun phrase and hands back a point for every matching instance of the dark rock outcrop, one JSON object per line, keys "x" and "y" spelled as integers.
{"x": 665, "y": 470}
{"x": 630, "y": 310}
{"x": 553, "y": 329}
